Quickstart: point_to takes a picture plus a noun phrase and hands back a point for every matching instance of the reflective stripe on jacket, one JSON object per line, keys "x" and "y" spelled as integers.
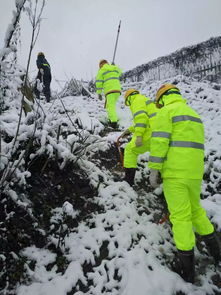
{"x": 177, "y": 141}
{"x": 42, "y": 63}
{"x": 108, "y": 79}
{"x": 144, "y": 113}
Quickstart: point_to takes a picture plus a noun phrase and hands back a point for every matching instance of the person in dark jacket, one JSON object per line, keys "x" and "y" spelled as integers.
{"x": 44, "y": 76}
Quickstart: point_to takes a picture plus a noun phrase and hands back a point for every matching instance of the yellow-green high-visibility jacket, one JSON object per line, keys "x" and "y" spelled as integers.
{"x": 144, "y": 112}
{"x": 108, "y": 79}
{"x": 177, "y": 140}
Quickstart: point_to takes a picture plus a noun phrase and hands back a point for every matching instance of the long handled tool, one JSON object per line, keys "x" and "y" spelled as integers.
{"x": 115, "y": 49}
{"x": 118, "y": 144}
{"x": 164, "y": 219}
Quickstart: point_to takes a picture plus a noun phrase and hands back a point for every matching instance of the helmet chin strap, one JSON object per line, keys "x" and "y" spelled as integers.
{"x": 127, "y": 101}
{"x": 160, "y": 103}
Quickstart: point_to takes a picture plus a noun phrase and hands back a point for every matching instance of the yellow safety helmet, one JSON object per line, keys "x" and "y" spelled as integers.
{"x": 102, "y": 62}
{"x": 161, "y": 91}
{"x": 41, "y": 53}
{"x": 129, "y": 92}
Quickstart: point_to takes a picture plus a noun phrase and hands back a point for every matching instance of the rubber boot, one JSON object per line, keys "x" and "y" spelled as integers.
{"x": 130, "y": 175}
{"x": 184, "y": 265}
{"x": 113, "y": 125}
{"x": 213, "y": 247}
{"x": 47, "y": 98}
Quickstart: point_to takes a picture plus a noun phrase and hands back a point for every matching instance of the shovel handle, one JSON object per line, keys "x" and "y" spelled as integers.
{"x": 118, "y": 144}
{"x": 163, "y": 219}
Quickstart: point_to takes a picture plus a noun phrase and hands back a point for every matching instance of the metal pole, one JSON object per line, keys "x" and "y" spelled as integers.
{"x": 118, "y": 32}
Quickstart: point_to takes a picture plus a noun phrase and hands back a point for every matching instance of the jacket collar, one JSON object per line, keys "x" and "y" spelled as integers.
{"x": 105, "y": 66}
{"x": 133, "y": 97}
{"x": 172, "y": 98}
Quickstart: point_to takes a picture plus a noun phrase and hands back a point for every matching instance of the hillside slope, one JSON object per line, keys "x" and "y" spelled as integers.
{"x": 71, "y": 225}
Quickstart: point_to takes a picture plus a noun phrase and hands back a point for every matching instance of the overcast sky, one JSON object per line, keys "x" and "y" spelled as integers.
{"x": 76, "y": 34}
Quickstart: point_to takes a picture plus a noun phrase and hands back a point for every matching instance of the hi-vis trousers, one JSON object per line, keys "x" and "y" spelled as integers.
{"x": 110, "y": 105}
{"x": 186, "y": 213}
{"x": 131, "y": 151}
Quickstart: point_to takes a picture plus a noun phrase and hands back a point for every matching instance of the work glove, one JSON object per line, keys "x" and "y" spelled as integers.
{"x": 139, "y": 141}
{"x": 154, "y": 178}
{"x": 42, "y": 71}
{"x": 125, "y": 133}
{"x": 99, "y": 96}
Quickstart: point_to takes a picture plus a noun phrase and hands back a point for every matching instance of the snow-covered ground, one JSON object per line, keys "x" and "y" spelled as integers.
{"x": 134, "y": 247}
